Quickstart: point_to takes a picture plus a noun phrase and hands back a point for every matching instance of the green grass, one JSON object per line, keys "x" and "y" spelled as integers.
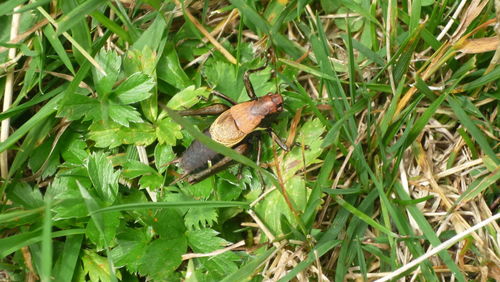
{"x": 390, "y": 111}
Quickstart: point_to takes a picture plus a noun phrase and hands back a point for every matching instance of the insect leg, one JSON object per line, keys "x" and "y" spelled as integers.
{"x": 214, "y": 109}
{"x": 220, "y": 95}
{"x": 277, "y": 139}
{"x": 215, "y": 168}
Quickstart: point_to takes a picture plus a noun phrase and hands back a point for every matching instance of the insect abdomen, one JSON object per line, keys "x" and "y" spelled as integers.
{"x": 196, "y": 156}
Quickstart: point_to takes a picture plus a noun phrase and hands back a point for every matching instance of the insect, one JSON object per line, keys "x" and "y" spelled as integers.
{"x": 231, "y": 128}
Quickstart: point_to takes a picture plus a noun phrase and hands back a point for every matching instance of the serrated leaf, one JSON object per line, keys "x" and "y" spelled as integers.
{"x": 149, "y": 177}
{"x": 162, "y": 257}
{"x": 168, "y": 131}
{"x": 123, "y": 114}
{"x": 66, "y": 193}
{"x": 197, "y": 218}
{"x": 73, "y": 148}
{"x": 130, "y": 248}
{"x": 80, "y": 106}
{"x": 105, "y": 135}
{"x": 140, "y": 134}
{"x": 201, "y": 190}
{"x": 222, "y": 76}
{"x": 151, "y": 181}
{"x": 261, "y": 84}
{"x": 273, "y": 207}
{"x": 143, "y": 61}
{"x": 187, "y": 97}
{"x": 103, "y": 177}
{"x": 206, "y": 241}
{"x": 97, "y": 267}
{"x": 133, "y": 169}
{"x": 136, "y": 88}
{"x": 21, "y": 193}
{"x": 113, "y": 135}
{"x": 111, "y": 62}
{"x": 310, "y": 135}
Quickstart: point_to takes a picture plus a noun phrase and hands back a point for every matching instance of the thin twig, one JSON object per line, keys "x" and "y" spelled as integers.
{"x": 143, "y": 157}
{"x": 214, "y": 253}
{"x": 7, "y": 97}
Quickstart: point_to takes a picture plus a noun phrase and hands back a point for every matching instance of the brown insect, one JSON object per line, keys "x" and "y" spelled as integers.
{"x": 230, "y": 128}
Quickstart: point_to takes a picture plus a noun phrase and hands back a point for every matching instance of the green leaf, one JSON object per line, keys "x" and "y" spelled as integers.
{"x": 136, "y": 88}
{"x": 168, "y": 224}
{"x": 152, "y": 36}
{"x": 97, "y": 267}
{"x": 73, "y": 148}
{"x": 273, "y": 207}
{"x": 197, "y": 218}
{"x": 364, "y": 217}
{"x": 309, "y": 135}
{"x": 163, "y": 155}
{"x": 65, "y": 266}
{"x": 123, "y": 114}
{"x": 355, "y": 7}
{"x": 247, "y": 271}
{"x": 47, "y": 110}
{"x": 149, "y": 177}
{"x": 492, "y": 76}
{"x": 112, "y": 26}
{"x": 466, "y": 120}
{"x": 162, "y": 257}
{"x": 187, "y": 98}
{"x": 170, "y": 70}
{"x": 111, "y": 221}
{"x": 168, "y": 131}
{"x": 113, "y": 135}
{"x": 206, "y": 241}
{"x": 250, "y": 13}
{"x": 80, "y": 106}
{"x": 152, "y": 181}
{"x": 130, "y": 248}
{"x": 133, "y": 169}
{"x": 222, "y": 76}
{"x": 111, "y": 62}
{"x": 66, "y": 193}
{"x": 140, "y": 61}
{"x": 103, "y": 177}
{"x": 21, "y": 193}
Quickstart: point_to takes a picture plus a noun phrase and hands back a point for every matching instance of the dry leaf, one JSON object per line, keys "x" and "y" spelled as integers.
{"x": 479, "y": 45}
